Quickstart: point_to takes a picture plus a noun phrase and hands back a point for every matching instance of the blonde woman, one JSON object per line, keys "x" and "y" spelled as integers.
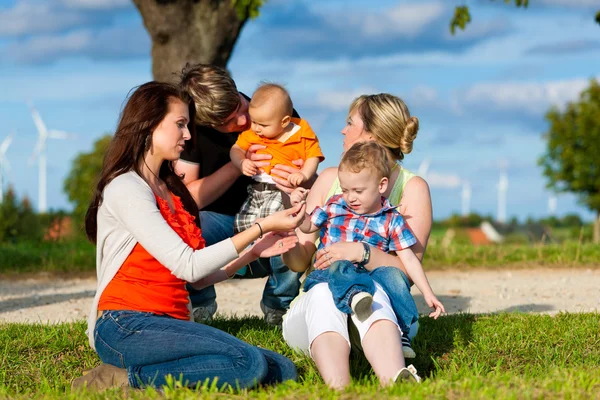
{"x": 314, "y": 324}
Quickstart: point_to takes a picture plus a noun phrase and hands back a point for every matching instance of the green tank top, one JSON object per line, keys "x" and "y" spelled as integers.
{"x": 396, "y": 193}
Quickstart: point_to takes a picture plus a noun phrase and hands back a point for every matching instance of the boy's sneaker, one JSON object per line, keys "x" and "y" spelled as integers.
{"x": 273, "y": 316}
{"x": 204, "y": 314}
{"x": 407, "y": 374}
{"x": 407, "y": 347}
{"x": 361, "y": 305}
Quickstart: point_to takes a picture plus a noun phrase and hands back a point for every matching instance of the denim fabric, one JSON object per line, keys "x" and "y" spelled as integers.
{"x": 282, "y": 286}
{"x": 151, "y": 347}
{"x": 345, "y": 280}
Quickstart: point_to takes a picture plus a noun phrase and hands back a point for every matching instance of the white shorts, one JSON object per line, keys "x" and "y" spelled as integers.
{"x": 314, "y": 313}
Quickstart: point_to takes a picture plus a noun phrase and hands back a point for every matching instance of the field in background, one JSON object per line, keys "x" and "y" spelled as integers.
{"x": 448, "y": 248}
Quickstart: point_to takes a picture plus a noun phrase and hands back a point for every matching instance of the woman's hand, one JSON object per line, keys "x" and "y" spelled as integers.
{"x": 350, "y": 251}
{"x": 436, "y": 305}
{"x": 280, "y": 174}
{"x": 274, "y": 244}
{"x": 285, "y": 220}
{"x": 260, "y": 160}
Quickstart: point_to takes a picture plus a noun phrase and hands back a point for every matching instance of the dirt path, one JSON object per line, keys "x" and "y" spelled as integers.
{"x": 539, "y": 290}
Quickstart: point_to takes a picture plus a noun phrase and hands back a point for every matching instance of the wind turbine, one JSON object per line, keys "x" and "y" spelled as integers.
{"x": 39, "y": 152}
{"x": 424, "y": 167}
{"x": 4, "y": 165}
{"x": 502, "y": 189}
{"x": 466, "y": 197}
{"x": 552, "y": 203}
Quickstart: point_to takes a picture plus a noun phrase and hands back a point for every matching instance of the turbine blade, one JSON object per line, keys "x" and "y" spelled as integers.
{"x": 54, "y": 134}
{"x": 39, "y": 123}
{"x": 5, "y": 143}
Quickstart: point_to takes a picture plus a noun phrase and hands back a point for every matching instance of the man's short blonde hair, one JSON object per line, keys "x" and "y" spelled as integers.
{"x": 214, "y": 93}
{"x": 367, "y": 155}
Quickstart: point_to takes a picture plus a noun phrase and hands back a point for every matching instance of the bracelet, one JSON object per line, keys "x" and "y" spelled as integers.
{"x": 261, "y": 231}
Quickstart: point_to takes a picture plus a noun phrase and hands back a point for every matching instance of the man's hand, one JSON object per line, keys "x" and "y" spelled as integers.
{"x": 260, "y": 160}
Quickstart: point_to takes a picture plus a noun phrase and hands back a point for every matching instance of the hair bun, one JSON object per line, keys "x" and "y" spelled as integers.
{"x": 409, "y": 135}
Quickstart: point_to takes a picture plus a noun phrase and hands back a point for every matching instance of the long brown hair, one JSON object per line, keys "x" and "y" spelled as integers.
{"x": 146, "y": 107}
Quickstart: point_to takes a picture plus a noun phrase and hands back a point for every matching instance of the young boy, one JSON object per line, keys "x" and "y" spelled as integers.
{"x": 361, "y": 214}
{"x": 287, "y": 139}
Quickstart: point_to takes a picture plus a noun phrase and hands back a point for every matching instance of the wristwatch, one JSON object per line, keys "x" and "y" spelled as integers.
{"x": 366, "y": 254}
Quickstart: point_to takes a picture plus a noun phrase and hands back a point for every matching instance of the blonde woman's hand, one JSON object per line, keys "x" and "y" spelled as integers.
{"x": 274, "y": 244}
{"x": 350, "y": 251}
{"x": 280, "y": 174}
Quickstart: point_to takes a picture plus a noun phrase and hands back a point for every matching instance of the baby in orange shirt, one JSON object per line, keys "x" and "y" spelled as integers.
{"x": 286, "y": 139}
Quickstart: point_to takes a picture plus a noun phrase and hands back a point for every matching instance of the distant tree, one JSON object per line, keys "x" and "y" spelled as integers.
{"x": 82, "y": 179}
{"x": 571, "y": 162}
{"x": 18, "y": 221}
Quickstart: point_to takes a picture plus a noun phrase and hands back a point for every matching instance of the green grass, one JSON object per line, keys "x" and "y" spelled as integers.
{"x": 54, "y": 257}
{"x": 79, "y": 256}
{"x": 460, "y": 255}
{"x": 461, "y": 356}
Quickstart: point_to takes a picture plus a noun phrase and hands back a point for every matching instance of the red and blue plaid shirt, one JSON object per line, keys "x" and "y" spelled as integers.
{"x": 385, "y": 229}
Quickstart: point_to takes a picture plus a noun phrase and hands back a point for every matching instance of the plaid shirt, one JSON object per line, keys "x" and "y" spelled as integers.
{"x": 384, "y": 229}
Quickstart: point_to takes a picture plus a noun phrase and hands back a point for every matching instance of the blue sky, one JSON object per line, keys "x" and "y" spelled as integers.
{"x": 480, "y": 96}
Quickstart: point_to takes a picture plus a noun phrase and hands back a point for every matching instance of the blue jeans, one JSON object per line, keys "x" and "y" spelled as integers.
{"x": 151, "y": 347}
{"x": 345, "y": 280}
{"x": 282, "y": 286}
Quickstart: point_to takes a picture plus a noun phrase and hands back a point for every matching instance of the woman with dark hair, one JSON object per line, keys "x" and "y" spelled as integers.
{"x": 149, "y": 244}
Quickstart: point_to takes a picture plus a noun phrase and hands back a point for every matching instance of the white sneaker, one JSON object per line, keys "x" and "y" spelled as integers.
{"x": 407, "y": 374}
{"x": 204, "y": 314}
{"x": 361, "y": 305}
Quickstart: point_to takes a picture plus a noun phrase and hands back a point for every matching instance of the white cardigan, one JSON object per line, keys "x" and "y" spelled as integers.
{"x": 129, "y": 215}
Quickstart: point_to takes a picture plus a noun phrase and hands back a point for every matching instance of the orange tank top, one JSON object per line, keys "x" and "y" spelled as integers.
{"x": 144, "y": 284}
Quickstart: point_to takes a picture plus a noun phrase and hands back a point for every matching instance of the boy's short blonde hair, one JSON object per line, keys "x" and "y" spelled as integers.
{"x": 268, "y": 91}
{"x": 367, "y": 155}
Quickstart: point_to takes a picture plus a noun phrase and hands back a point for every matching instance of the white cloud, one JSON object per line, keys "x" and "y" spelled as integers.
{"x": 529, "y": 97}
{"x": 340, "y": 100}
{"x": 423, "y": 95}
{"x": 405, "y": 19}
{"x": 41, "y": 48}
{"x": 572, "y": 3}
{"x": 29, "y": 16}
{"x": 122, "y": 42}
{"x": 97, "y": 4}
{"x": 443, "y": 181}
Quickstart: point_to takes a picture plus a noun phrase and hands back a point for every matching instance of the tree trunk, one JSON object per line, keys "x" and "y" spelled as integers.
{"x": 597, "y": 229}
{"x": 194, "y": 31}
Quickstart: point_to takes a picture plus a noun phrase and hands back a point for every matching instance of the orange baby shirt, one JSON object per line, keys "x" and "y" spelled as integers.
{"x": 144, "y": 284}
{"x": 300, "y": 146}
